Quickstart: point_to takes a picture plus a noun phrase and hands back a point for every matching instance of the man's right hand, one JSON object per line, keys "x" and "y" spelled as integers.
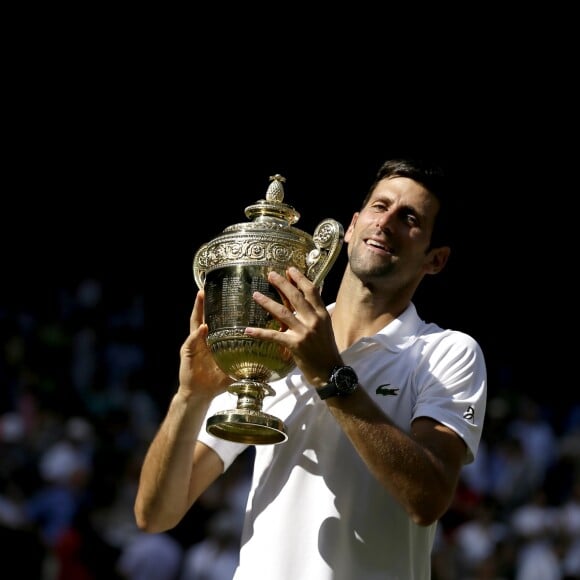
{"x": 198, "y": 372}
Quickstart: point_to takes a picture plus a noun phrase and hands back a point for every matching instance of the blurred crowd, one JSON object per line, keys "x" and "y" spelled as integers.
{"x": 77, "y": 412}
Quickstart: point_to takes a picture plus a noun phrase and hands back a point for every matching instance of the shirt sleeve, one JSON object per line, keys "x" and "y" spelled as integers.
{"x": 227, "y": 450}
{"x": 452, "y": 387}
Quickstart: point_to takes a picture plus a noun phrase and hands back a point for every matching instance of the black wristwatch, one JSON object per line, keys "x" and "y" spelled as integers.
{"x": 343, "y": 381}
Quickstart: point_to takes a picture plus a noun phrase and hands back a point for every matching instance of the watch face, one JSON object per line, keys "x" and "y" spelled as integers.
{"x": 345, "y": 379}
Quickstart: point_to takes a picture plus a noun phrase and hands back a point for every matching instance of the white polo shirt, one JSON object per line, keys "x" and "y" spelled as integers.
{"x": 314, "y": 511}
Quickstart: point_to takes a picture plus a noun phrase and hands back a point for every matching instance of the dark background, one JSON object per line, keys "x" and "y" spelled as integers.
{"x": 104, "y": 197}
{"x": 122, "y": 158}
{"x": 131, "y": 139}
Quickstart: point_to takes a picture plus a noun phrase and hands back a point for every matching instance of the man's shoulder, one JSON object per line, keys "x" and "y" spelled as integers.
{"x": 447, "y": 338}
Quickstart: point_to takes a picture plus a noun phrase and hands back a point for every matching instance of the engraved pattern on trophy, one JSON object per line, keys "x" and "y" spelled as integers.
{"x": 230, "y": 268}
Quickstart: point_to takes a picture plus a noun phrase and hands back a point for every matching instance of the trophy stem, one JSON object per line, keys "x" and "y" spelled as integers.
{"x": 247, "y": 423}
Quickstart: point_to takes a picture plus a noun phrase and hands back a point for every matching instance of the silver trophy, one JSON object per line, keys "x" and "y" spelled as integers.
{"x": 230, "y": 268}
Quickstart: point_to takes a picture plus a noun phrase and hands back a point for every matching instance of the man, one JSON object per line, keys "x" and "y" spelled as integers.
{"x": 382, "y": 409}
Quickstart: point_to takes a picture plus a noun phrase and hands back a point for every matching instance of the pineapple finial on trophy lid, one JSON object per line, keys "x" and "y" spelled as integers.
{"x": 272, "y": 209}
{"x": 276, "y": 188}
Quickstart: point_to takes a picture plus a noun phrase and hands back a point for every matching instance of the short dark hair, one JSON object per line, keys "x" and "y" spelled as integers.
{"x": 432, "y": 176}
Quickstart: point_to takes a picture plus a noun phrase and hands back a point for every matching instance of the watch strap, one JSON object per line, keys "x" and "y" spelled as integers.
{"x": 329, "y": 390}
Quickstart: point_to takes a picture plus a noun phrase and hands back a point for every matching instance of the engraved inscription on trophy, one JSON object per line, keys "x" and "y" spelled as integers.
{"x": 230, "y": 268}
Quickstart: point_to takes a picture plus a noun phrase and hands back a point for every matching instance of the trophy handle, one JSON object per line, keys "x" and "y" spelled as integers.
{"x": 199, "y": 270}
{"x": 328, "y": 237}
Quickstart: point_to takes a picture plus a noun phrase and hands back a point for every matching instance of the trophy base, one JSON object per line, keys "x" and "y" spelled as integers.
{"x": 247, "y": 426}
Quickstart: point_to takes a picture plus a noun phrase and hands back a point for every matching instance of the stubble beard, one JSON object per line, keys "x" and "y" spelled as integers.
{"x": 368, "y": 269}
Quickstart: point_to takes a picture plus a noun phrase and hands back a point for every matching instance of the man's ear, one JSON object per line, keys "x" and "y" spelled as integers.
{"x": 436, "y": 259}
{"x": 348, "y": 232}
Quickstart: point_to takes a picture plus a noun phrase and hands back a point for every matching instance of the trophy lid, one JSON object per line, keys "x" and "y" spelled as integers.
{"x": 272, "y": 208}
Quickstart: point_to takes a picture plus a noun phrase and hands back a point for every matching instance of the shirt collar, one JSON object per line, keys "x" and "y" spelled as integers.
{"x": 399, "y": 333}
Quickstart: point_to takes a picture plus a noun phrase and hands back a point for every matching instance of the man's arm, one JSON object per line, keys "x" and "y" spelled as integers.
{"x": 419, "y": 469}
{"x": 177, "y": 469}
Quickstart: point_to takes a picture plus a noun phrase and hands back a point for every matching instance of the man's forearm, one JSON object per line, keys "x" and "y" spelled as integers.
{"x": 163, "y": 495}
{"x": 414, "y": 467}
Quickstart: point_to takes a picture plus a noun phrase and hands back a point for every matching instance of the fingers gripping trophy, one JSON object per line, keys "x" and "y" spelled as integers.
{"x": 230, "y": 268}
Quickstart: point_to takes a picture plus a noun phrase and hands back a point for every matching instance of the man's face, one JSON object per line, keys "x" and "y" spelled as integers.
{"x": 391, "y": 234}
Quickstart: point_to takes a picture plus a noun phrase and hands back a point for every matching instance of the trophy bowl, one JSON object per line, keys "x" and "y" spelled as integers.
{"x": 230, "y": 268}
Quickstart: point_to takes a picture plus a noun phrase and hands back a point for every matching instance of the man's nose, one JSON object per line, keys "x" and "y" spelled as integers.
{"x": 385, "y": 220}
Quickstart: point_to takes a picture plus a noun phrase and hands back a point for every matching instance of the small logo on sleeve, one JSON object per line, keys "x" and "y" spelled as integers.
{"x": 469, "y": 413}
{"x": 384, "y": 390}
